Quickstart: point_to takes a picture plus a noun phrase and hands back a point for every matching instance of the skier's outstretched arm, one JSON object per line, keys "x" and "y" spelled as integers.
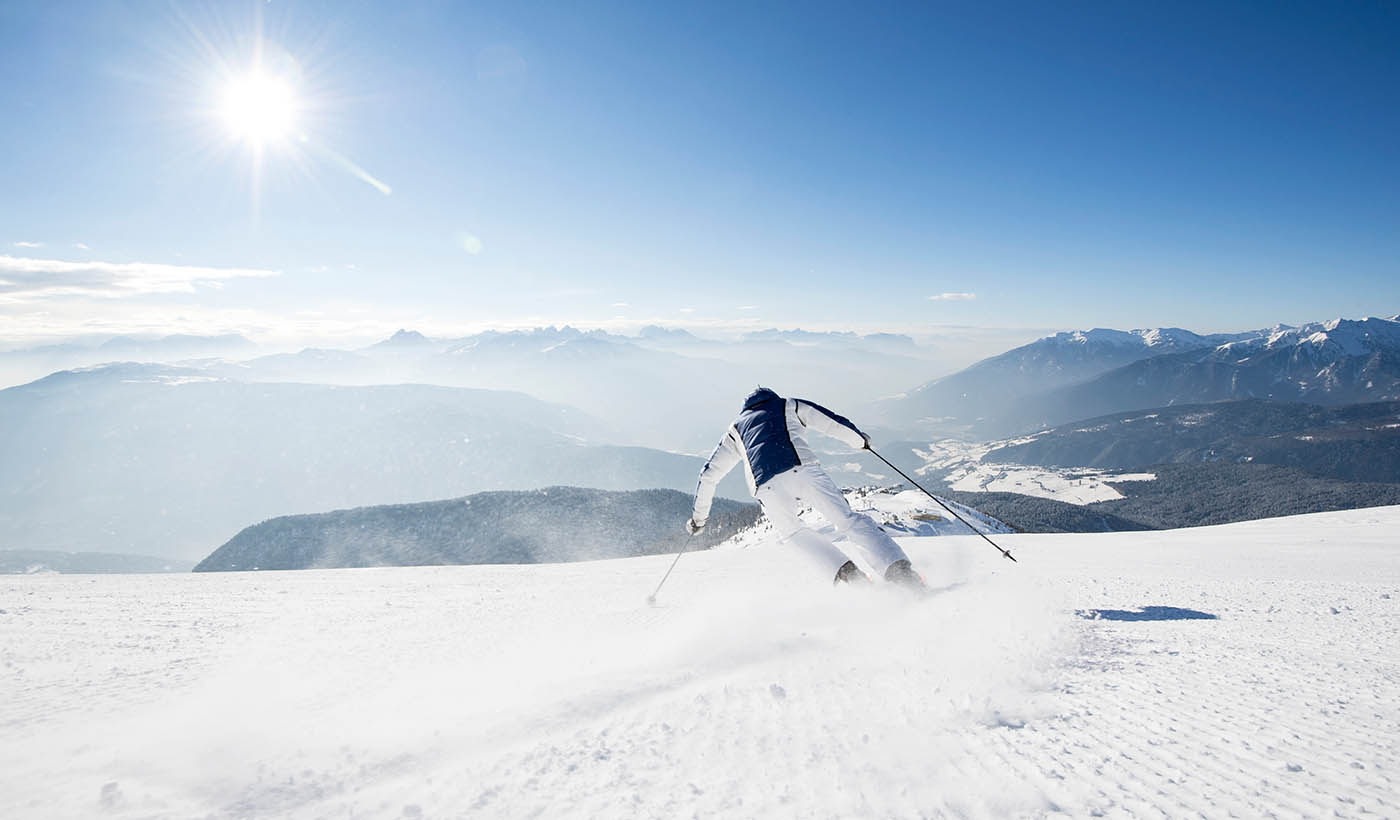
{"x": 722, "y": 460}
{"x": 824, "y": 421}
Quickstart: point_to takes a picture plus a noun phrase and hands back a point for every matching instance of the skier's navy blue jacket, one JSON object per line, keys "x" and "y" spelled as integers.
{"x": 767, "y": 439}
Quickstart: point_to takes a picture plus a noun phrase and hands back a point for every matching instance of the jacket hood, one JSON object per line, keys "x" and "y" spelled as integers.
{"x": 759, "y": 396}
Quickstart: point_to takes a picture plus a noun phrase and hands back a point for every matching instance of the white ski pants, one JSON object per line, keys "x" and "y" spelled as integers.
{"x": 782, "y": 496}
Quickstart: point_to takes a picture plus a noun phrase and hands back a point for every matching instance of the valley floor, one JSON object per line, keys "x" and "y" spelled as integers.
{"x": 1247, "y": 670}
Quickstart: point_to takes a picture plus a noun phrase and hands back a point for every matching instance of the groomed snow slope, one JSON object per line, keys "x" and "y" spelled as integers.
{"x": 752, "y": 689}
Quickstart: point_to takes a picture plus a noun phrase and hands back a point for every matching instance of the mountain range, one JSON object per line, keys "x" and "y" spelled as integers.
{"x": 45, "y": 562}
{"x": 26, "y": 364}
{"x": 1078, "y": 375}
{"x": 668, "y": 388}
{"x": 664, "y": 388}
{"x": 170, "y": 460}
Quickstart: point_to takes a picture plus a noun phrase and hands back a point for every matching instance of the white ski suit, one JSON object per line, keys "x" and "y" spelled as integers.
{"x": 783, "y": 474}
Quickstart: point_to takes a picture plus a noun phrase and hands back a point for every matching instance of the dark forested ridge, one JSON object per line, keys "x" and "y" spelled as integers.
{"x": 1188, "y": 495}
{"x": 1193, "y": 495}
{"x": 1028, "y": 513}
{"x": 1358, "y": 442}
{"x": 507, "y": 527}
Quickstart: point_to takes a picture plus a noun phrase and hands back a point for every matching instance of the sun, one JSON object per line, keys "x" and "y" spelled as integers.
{"x": 260, "y": 103}
{"x": 260, "y": 108}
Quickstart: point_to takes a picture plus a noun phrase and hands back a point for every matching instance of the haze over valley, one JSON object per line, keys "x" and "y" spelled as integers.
{"x": 174, "y": 459}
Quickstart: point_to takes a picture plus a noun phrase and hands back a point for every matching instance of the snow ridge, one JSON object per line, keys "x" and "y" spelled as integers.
{"x": 1351, "y": 337}
{"x": 1333, "y": 338}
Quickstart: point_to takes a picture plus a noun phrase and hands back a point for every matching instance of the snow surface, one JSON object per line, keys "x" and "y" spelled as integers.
{"x": 1247, "y": 670}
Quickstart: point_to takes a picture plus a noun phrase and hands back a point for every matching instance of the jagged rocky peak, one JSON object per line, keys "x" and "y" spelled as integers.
{"x": 669, "y": 334}
{"x": 404, "y": 340}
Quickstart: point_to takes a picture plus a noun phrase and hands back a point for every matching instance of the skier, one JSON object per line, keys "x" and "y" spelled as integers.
{"x": 783, "y": 472}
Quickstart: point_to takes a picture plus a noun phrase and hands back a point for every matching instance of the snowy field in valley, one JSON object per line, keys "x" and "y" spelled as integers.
{"x": 1081, "y": 486}
{"x": 1247, "y": 670}
{"x": 966, "y": 472}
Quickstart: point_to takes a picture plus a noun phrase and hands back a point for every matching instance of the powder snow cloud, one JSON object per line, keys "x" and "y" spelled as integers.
{"x": 24, "y": 279}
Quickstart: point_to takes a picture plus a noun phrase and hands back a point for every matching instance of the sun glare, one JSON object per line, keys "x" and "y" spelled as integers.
{"x": 259, "y": 108}
{"x": 259, "y": 103}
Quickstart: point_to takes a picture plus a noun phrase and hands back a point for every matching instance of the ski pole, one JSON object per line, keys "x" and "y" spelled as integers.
{"x": 651, "y": 599}
{"x": 941, "y": 504}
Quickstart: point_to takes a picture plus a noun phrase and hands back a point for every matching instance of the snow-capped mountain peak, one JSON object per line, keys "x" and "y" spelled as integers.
{"x": 1158, "y": 339}
{"x": 1336, "y": 361}
{"x": 1098, "y": 335}
{"x": 1350, "y": 337}
{"x": 538, "y": 339}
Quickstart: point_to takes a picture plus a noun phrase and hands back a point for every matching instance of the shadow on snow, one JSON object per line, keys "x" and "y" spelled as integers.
{"x": 1147, "y": 613}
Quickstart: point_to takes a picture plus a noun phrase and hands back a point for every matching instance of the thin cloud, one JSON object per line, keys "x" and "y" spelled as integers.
{"x": 747, "y": 307}
{"x": 29, "y": 244}
{"x": 953, "y": 297}
{"x": 620, "y": 304}
{"x": 82, "y": 246}
{"x": 565, "y": 293}
{"x": 29, "y": 280}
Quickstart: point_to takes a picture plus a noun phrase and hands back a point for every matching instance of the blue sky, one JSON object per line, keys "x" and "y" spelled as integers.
{"x": 1215, "y": 166}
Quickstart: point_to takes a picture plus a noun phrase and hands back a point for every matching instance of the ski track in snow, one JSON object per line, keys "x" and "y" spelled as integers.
{"x": 753, "y": 688}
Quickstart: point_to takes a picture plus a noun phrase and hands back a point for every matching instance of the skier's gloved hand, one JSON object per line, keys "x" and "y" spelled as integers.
{"x": 866, "y": 445}
{"x": 692, "y": 526}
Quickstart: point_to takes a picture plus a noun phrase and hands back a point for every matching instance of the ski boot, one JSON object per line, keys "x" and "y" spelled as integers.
{"x": 902, "y": 573}
{"x": 849, "y": 573}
